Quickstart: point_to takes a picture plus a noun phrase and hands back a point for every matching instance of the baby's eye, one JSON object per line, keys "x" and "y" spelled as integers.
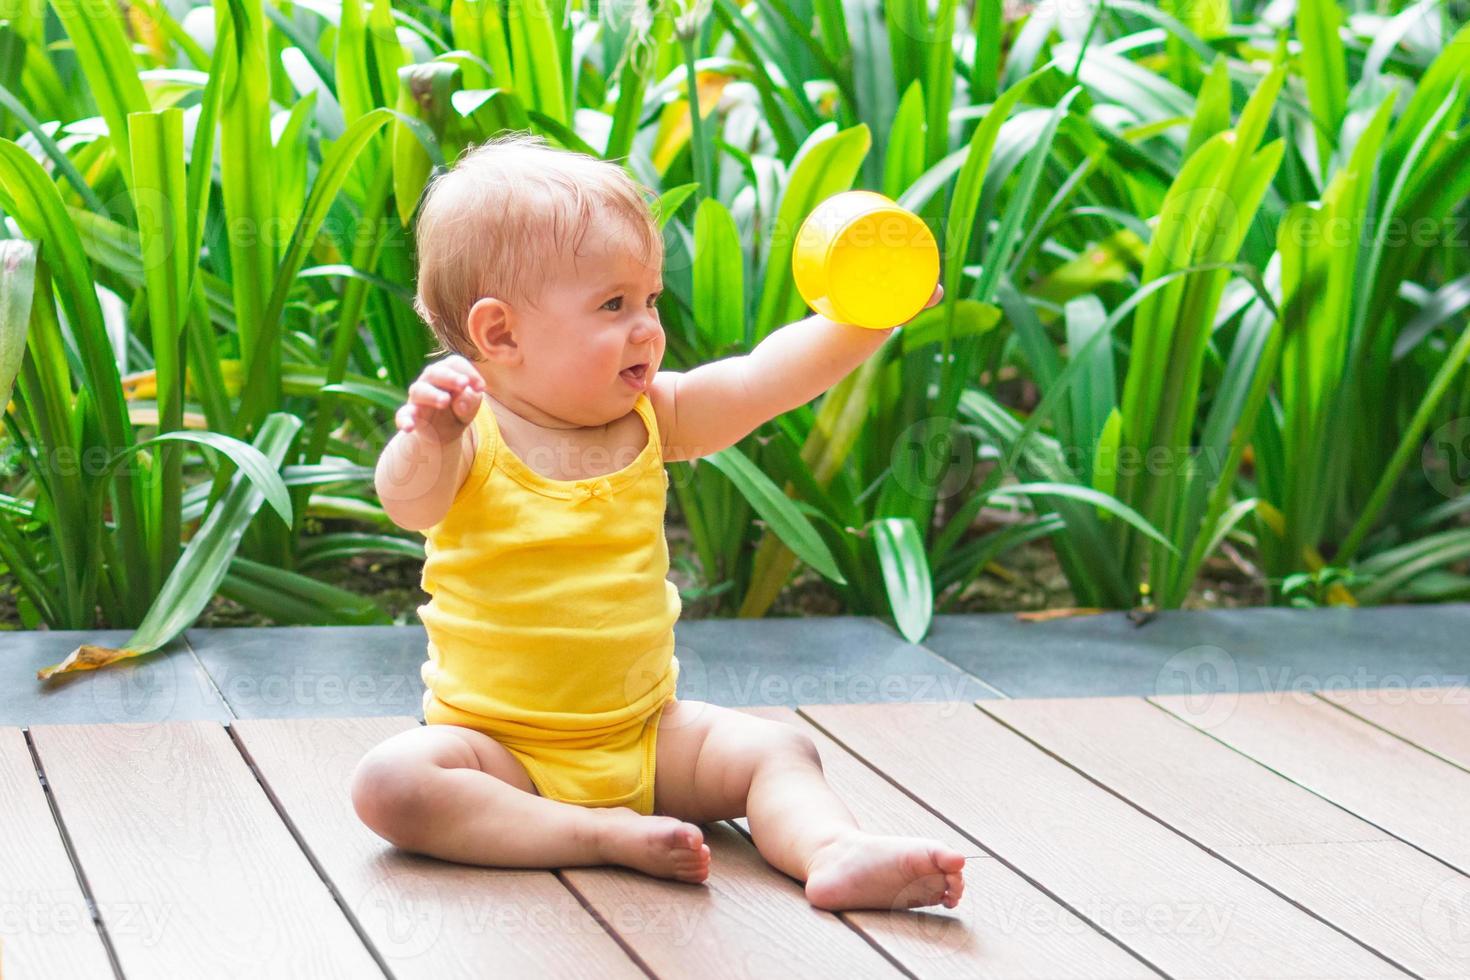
{"x": 614, "y": 304}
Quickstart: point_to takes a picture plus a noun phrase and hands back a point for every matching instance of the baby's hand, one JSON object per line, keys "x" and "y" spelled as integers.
{"x": 443, "y": 400}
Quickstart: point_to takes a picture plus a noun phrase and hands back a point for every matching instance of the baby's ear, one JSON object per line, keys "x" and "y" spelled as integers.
{"x": 491, "y": 328}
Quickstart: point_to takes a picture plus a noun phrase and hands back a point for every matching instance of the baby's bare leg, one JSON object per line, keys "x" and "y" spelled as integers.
{"x": 715, "y": 763}
{"x": 457, "y": 794}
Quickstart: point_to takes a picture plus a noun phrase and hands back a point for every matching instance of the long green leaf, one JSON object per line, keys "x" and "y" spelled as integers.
{"x": 201, "y": 568}
{"x": 260, "y": 470}
{"x": 719, "y": 276}
{"x": 289, "y": 598}
{"x": 247, "y": 167}
{"x": 160, "y": 202}
{"x": 1325, "y": 66}
{"x": 1111, "y": 504}
{"x": 103, "y": 52}
{"x": 966, "y": 202}
{"x": 338, "y": 163}
{"x": 777, "y": 510}
{"x": 17, "y": 288}
{"x": 900, "y": 547}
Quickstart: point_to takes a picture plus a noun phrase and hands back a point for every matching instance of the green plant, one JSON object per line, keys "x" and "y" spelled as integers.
{"x": 1124, "y": 194}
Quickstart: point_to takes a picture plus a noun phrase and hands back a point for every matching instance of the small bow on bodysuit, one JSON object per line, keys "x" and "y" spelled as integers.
{"x": 588, "y": 489}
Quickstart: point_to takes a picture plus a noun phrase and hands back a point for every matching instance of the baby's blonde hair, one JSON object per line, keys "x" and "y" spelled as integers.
{"x": 507, "y": 215}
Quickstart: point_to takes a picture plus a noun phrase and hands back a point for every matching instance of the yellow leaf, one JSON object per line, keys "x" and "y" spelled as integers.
{"x": 86, "y": 657}
{"x": 1337, "y": 593}
{"x": 673, "y": 123}
{"x": 146, "y": 30}
{"x": 1045, "y": 615}
{"x": 144, "y": 384}
{"x": 142, "y": 415}
{"x": 1001, "y": 572}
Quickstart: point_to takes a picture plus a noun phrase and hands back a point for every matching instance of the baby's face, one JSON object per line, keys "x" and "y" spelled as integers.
{"x": 594, "y": 341}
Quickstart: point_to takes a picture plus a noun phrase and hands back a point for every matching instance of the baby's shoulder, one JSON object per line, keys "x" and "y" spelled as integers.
{"x": 476, "y": 448}
{"x": 469, "y": 445}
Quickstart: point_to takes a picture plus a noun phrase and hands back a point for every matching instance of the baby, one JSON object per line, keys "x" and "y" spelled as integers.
{"x": 532, "y": 458}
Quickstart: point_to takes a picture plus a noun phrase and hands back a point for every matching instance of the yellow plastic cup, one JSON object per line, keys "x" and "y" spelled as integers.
{"x": 859, "y": 258}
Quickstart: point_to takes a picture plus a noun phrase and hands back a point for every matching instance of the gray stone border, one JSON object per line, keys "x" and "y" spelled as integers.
{"x": 289, "y": 672}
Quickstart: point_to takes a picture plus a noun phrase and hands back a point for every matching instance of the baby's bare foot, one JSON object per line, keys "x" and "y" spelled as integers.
{"x": 868, "y": 871}
{"x": 664, "y": 847}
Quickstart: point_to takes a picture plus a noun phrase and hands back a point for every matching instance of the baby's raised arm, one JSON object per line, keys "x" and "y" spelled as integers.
{"x": 715, "y": 405}
{"x": 422, "y": 467}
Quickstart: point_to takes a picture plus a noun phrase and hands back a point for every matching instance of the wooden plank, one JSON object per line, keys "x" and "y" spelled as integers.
{"x": 425, "y": 917}
{"x": 1004, "y": 926}
{"x": 1371, "y": 886}
{"x": 746, "y": 920}
{"x": 46, "y": 928}
{"x": 1383, "y": 779}
{"x": 167, "y": 819}
{"x": 1174, "y": 905}
{"x": 1437, "y": 719}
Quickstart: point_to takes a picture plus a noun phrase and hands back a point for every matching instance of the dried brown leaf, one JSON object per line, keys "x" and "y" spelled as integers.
{"x": 86, "y": 657}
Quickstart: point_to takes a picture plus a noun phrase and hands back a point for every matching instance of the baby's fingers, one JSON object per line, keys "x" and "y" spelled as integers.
{"x": 423, "y": 393}
{"x": 405, "y": 418}
{"x": 466, "y": 404}
{"x": 443, "y": 376}
{"x": 448, "y": 377}
{"x": 459, "y": 366}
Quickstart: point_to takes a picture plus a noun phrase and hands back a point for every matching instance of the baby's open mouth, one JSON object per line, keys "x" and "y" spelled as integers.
{"x": 634, "y": 373}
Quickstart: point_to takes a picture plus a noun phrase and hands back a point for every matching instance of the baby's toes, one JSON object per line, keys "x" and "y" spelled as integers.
{"x": 693, "y": 866}
{"x": 922, "y": 862}
{"x": 677, "y": 835}
{"x": 954, "y": 888}
{"x": 923, "y": 892}
{"x": 948, "y": 859}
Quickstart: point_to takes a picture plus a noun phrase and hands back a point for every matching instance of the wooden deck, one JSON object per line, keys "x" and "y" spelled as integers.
{"x": 1245, "y": 835}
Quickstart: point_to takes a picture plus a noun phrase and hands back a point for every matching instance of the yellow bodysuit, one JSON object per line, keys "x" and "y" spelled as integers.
{"x": 551, "y": 618}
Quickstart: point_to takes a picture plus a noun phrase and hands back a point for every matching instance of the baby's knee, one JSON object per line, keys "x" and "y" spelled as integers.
{"x": 390, "y": 797}
{"x": 788, "y": 743}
